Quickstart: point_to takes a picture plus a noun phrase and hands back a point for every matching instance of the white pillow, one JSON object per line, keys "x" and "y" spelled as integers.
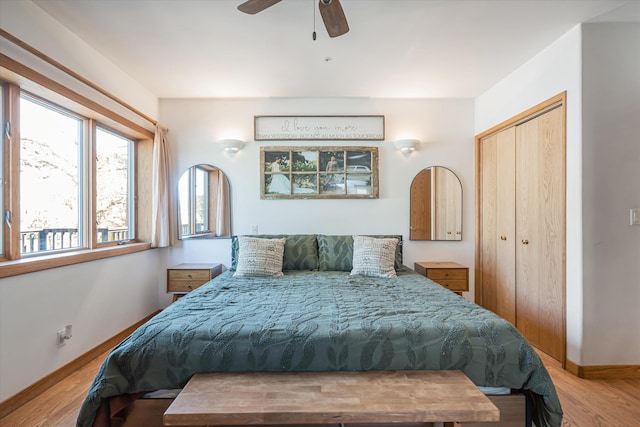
{"x": 374, "y": 256}
{"x": 259, "y": 257}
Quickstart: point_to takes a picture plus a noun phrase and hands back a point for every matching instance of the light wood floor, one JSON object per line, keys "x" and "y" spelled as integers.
{"x": 586, "y": 403}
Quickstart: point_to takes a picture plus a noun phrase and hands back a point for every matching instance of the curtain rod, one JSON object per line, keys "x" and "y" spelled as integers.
{"x": 72, "y": 73}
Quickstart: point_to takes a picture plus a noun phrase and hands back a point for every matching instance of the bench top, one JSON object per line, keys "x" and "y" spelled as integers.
{"x": 329, "y": 397}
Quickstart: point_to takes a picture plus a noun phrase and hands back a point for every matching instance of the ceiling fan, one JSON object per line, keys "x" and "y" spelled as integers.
{"x": 331, "y": 11}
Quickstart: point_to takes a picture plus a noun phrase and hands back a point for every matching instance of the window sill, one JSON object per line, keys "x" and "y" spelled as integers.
{"x": 30, "y": 265}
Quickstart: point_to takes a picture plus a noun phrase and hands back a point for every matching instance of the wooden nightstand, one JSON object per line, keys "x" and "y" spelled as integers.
{"x": 451, "y": 275}
{"x": 183, "y": 278}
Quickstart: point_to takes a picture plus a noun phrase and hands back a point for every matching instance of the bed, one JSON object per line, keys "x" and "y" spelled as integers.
{"x": 315, "y": 315}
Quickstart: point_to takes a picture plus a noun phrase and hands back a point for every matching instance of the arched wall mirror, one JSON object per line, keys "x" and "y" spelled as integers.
{"x": 204, "y": 208}
{"x": 436, "y": 205}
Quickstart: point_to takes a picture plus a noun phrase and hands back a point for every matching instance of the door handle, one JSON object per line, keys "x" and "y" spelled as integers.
{"x": 525, "y": 242}
{"x": 503, "y": 237}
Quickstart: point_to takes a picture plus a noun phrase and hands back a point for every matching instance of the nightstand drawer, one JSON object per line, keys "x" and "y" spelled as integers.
{"x": 184, "y": 285}
{"x": 438, "y": 274}
{"x": 453, "y": 285}
{"x": 191, "y": 275}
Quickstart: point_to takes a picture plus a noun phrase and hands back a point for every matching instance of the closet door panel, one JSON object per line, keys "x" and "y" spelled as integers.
{"x": 488, "y": 223}
{"x": 527, "y": 243}
{"x": 506, "y": 225}
{"x": 551, "y": 233}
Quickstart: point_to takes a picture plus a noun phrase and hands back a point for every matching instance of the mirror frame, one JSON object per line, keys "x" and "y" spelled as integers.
{"x": 454, "y": 234}
{"x": 206, "y": 234}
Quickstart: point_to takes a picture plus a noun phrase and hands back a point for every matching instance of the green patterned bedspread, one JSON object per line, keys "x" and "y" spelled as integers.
{"x": 319, "y": 321}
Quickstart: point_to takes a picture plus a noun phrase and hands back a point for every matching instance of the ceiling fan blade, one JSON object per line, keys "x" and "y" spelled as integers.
{"x": 333, "y": 16}
{"x": 254, "y": 6}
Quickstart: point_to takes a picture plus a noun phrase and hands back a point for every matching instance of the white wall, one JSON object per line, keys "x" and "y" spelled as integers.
{"x": 602, "y": 98}
{"x": 99, "y": 298}
{"x": 445, "y": 126}
{"x": 611, "y": 186}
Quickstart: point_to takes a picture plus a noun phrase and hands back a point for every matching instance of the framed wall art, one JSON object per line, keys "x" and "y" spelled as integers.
{"x": 327, "y": 128}
{"x": 319, "y": 172}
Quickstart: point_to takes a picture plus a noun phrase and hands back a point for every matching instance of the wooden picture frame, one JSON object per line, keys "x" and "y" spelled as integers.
{"x": 326, "y": 128}
{"x": 318, "y": 172}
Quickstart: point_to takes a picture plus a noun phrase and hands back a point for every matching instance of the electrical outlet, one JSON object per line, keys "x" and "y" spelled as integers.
{"x": 634, "y": 215}
{"x": 61, "y": 340}
{"x": 64, "y": 335}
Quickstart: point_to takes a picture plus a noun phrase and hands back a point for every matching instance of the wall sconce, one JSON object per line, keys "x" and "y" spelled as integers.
{"x": 231, "y": 145}
{"x": 407, "y": 146}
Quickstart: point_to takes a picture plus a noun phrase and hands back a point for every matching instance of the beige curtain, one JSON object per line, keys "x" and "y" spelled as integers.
{"x": 162, "y": 226}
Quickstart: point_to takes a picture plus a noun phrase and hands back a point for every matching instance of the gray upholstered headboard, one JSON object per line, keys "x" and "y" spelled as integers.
{"x": 315, "y": 251}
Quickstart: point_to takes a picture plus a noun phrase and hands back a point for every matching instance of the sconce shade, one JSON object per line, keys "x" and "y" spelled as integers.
{"x": 231, "y": 145}
{"x": 406, "y": 146}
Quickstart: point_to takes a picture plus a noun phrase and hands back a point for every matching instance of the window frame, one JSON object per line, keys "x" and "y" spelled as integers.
{"x": 131, "y": 188}
{"x": 94, "y": 115}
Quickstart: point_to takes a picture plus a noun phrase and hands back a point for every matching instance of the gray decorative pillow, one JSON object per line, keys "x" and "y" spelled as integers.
{"x": 374, "y": 256}
{"x": 336, "y": 252}
{"x": 300, "y": 251}
{"x": 260, "y": 257}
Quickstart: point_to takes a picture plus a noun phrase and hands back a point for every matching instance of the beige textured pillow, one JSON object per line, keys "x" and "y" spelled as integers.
{"x": 374, "y": 256}
{"x": 260, "y": 257}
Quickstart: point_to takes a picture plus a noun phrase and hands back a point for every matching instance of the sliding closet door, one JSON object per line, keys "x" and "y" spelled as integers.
{"x": 487, "y": 227}
{"x": 521, "y": 223}
{"x": 498, "y": 224}
{"x": 506, "y": 217}
{"x": 540, "y": 231}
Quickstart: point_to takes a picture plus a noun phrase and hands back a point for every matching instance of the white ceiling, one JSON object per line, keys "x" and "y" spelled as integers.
{"x": 395, "y": 48}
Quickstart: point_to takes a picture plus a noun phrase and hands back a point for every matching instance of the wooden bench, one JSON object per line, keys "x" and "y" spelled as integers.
{"x": 370, "y": 397}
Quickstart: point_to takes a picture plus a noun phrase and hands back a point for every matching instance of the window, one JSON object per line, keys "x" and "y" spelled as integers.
{"x": 70, "y": 184}
{"x": 51, "y": 142}
{"x": 52, "y": 202}
{"x": 114, "y": 187}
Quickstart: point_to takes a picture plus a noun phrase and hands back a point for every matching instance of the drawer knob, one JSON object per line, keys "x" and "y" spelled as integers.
{"x": 189, "y": 286}
{"x": 189, "y": 276}
{"x": 525, "y": 242}
{"x": 503, "y": 237}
